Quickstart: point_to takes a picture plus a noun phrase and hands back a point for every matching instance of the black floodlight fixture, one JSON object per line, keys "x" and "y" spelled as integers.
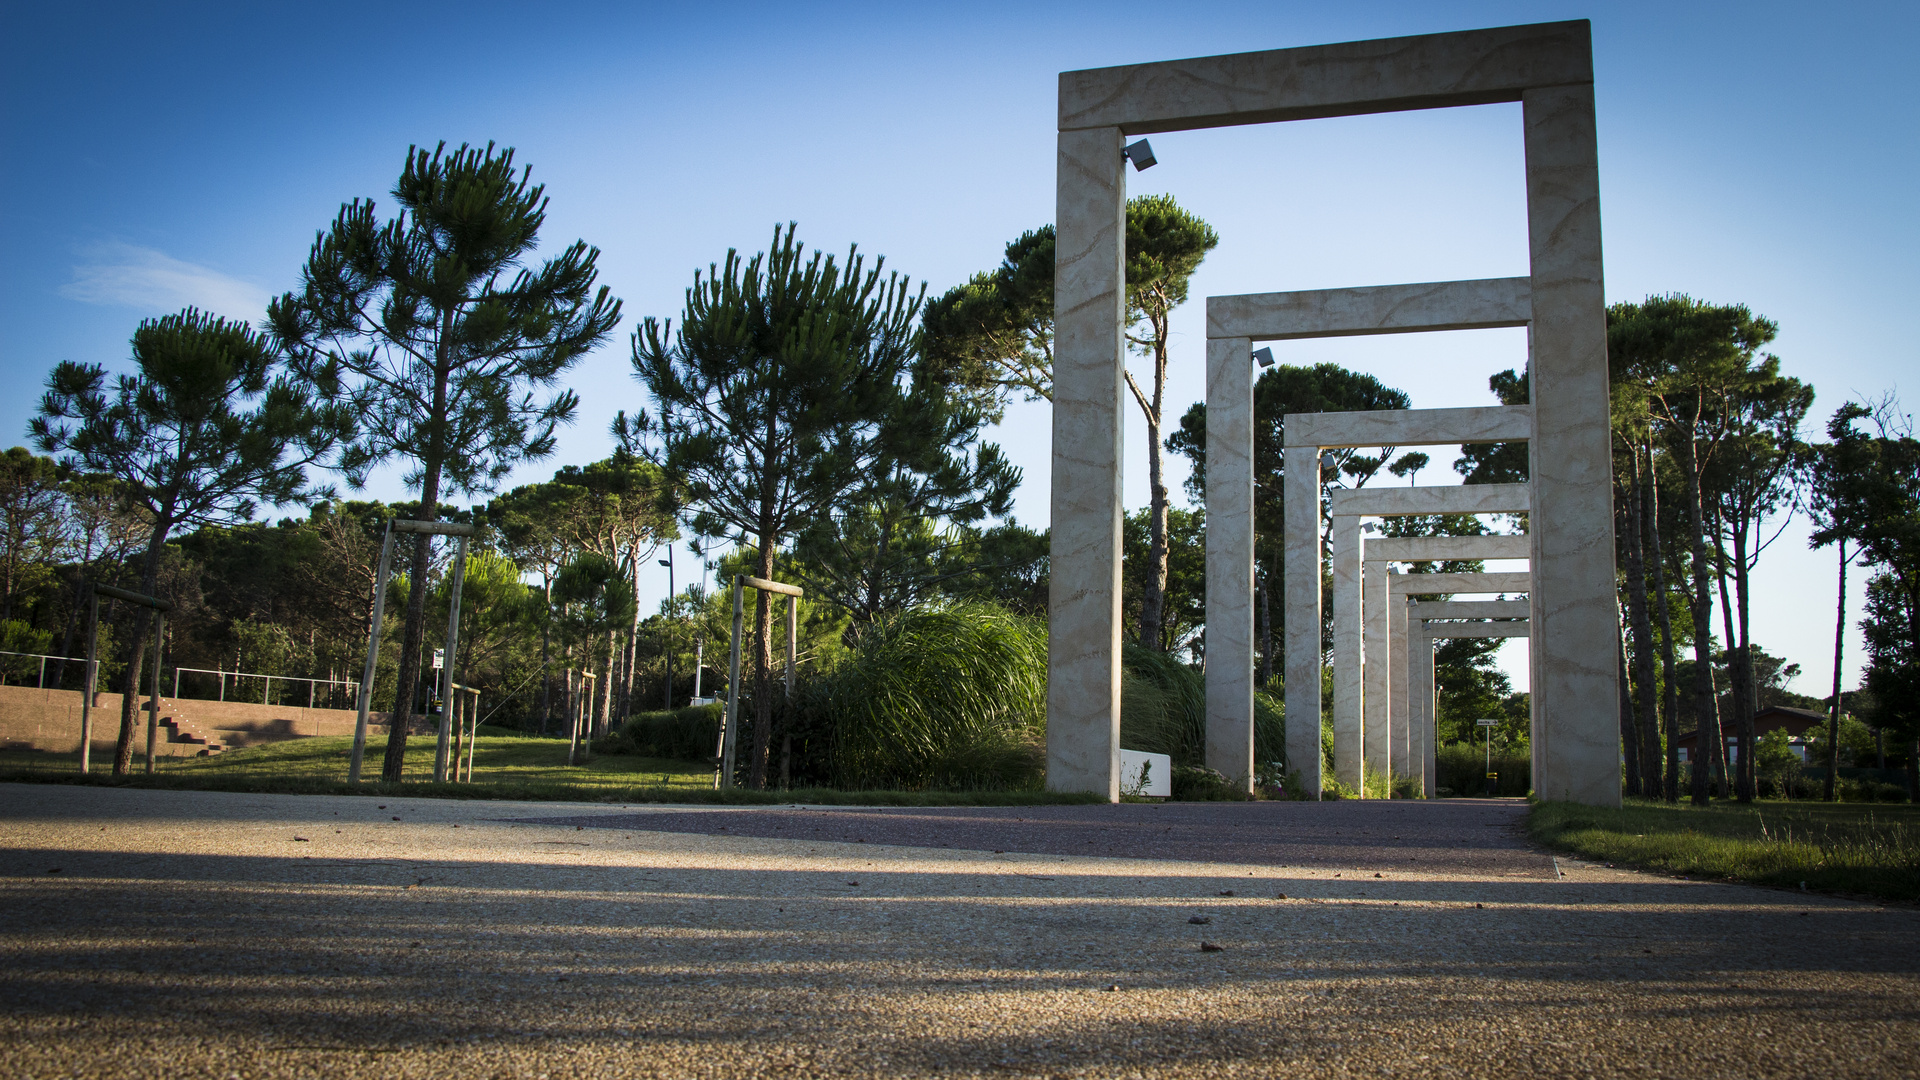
{"x": 1329, "y": 459}
{"x": 1141, "y": 154}
{"x": 1263, "y": 356}
{"x": 666, "y": 562}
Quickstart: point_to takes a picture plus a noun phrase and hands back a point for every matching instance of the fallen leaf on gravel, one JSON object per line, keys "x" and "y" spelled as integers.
{"x": 1228, "y": 892}
{"x": 1208, "y": 946}
{"x": 301, "y": 840}
{"x": 1200, "y": 920}
{"x": 55, "y": 870}
{"x": 1282, "y": 896}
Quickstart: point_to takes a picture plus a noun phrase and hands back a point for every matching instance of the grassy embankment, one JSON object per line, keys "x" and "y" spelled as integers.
{"x": 1860, "y": 849}
{"x": 505, "y": 766}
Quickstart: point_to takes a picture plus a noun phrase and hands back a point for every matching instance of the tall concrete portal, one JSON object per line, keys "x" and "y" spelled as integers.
{"x": 1426, "y": 628}
{"x": 1387, "y": 751}
{"x": 1548, "y": 68}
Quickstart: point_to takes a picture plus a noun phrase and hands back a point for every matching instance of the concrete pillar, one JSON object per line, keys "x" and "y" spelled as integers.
{"x": 1229, "y": 674}
{"x": 1348, "y": 721}
{"x": 1575, "y": 612}
{"x": 1083, "y": 608}
{"x": 1397, "y": 686}
{"x": 1420, "y": 703}
{"x": 1377, "y": 672}
{"x": 1302, "y": 532}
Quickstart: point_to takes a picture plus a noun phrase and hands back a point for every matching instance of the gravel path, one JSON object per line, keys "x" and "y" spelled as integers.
{"x": 160, "y": 934}
{"x": 1388, "y": 836}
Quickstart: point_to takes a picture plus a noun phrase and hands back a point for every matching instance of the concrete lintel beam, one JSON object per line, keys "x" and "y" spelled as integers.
{"x": 1372, "y": 309}
{"x": 1469, "y": 609}
{"x": 1460, "y": 499}
{"x": 1411, "y": 427}
{"x": 1446, "y": 548}
{"x": 1476, "y": 630}
{"x": 1431, "y": 584}
{"x": 1431, "y": 71}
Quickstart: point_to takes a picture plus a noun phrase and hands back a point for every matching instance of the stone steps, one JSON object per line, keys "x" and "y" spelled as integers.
{"x": 185, "y": 730}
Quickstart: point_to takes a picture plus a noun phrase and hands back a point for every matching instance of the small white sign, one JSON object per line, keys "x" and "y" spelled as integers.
{"x": 439, "y": 659}
{"x": 1487, "y": 723}
{"x": 1146, "y": 774}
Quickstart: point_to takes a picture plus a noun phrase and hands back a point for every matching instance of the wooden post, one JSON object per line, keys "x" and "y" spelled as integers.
{"x": 442, "y": 744}
{"x": 731, "y": 719}
{"x": 365, "y": 694}
{"x": 793, "y": 653}
{"x": 573, "y": 722}
{"x": 153, "y": 703}
{"x": 93, "y": 670}
{"x": 457, "y": 720}
{"x": 474, "y": 736}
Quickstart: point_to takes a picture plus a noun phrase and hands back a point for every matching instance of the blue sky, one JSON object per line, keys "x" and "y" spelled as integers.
{"x": 161, "y": 155}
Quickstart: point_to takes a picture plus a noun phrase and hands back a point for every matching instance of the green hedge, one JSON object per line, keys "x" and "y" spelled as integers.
{"x": 687, "y": 734}
{"x": 1463, "y": 769}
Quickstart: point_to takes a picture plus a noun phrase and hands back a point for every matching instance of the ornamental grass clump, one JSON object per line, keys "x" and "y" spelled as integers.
{"x": 940, "y": 698}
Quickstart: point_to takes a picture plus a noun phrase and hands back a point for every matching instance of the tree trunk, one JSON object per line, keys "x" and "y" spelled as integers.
{"x": 414, "y": 635}
{"x": 762, "y": 676}
{"x": 632, "y": 651}
{"x": 1153, "y": 597}
{"x": 1266, "y": 633}
{"x": 1629, "y": 727}
{"x": 1839, "y": 647}
{"x": 1669, "y": 665}
{"x": 137, "y": 647}
{"x": 546, "y": 657}
{"x": 1750, "y": 704}
{"x": 1706, "y": 708}
{"x": 1736, "y": 675}
{"x": 1640, "y": 626}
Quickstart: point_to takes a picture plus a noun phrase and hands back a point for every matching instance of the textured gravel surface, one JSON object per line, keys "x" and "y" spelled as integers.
{"x": 159, "y": 934}
{"x": 1451, "y": 835}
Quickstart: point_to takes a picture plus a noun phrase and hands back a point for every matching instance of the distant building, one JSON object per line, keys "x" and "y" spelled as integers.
{"x": 1801, "y": 726}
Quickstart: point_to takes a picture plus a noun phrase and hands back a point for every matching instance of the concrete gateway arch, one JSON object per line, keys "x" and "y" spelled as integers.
{"x": 1546, "y": 67}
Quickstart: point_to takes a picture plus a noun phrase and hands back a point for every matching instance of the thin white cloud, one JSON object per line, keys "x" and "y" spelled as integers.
{"x": 154, "y": 282}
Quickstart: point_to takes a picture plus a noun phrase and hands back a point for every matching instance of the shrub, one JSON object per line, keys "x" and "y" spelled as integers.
{"x": 1463, "y": 767}
{"x": 1197, "y": 783}
{"x": 687, "y": 734}
{"x": 939, "y": 697}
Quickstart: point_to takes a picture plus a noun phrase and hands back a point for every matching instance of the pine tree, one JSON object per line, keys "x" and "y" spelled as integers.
{"x": 432, "y": 330}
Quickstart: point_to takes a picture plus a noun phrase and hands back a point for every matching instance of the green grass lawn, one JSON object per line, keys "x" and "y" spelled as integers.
{"x": 1864, "y": 849}
{"x": 507, "y": 765}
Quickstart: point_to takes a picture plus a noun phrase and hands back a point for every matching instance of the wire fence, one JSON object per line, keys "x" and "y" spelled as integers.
{"x": 69, "y": 672}
{"x": 16, "y": 664}
{"x": 339, "y": 694}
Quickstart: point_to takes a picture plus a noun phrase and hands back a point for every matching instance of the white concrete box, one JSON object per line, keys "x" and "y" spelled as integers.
{"x": 1146, "y": 774}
